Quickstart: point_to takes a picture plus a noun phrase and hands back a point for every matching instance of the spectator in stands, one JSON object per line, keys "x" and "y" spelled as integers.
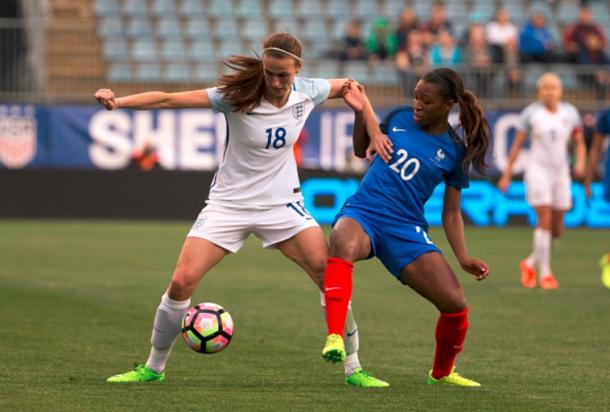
{"x": 407, "y": 23}
{"x": 145, "y": 158}
{"x": 381, "y": 43}
{"x": 536, "y": 41}
{"x": 437, "y": 23}
{"x": 353, "y": 44}
{"x": 593, "y": 53}
{"x": 501, "y": 32}
{"x": 575, "y": 36}
{"x": 477, "y": 55}
{"x": 412, "y": 60}
{"x": 445, "y": 52}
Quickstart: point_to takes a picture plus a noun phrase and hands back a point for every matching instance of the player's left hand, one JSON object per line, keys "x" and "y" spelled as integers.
{"x": 475, "y": 267}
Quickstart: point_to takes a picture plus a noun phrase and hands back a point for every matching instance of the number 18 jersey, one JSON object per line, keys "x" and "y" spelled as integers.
{"x": 397, "y": 191}
{"x": 258, "y": 168}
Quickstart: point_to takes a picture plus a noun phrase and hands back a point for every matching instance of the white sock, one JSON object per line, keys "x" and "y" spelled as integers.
{"x": 351, "y": 339}
{"x": 544, "y": 253}
{"x": 166, "y": 328}
{"x": 532, "y": 259}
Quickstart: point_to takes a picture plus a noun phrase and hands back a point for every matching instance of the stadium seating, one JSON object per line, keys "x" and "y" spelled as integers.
{"x": 184, "y": 40}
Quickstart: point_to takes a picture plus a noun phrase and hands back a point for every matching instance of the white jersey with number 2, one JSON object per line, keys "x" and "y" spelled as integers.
{"x": 549, "y": 134}
{"x": 258, "y": 168}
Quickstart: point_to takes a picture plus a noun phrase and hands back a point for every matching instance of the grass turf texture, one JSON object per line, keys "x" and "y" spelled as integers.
{"x": 78, "y": 298}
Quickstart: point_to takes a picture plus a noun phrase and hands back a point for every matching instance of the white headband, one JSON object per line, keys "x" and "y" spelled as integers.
{"x": 283, "y": 51}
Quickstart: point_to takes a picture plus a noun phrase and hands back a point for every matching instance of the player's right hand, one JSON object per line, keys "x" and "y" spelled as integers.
{"x": 380, "y": 144}
{"x": 504, "y": 182}
{"x": 106, "y": 98}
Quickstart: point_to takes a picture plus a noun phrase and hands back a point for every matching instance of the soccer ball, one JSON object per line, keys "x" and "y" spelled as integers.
{"x": 207, "y": 328}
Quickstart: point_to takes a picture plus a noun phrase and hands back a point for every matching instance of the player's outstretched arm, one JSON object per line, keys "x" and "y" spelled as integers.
{"x": 154, "y": 100}
{"x": 594, "y": 153}
{"x": 453, "y": 224}
{"x": 512, "y": 157}
{"x": 368, "y": 138}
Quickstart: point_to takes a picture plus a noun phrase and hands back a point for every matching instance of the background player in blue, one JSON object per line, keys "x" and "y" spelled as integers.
{"x": 602, "y": 130}
{"x": 385, "y": 217}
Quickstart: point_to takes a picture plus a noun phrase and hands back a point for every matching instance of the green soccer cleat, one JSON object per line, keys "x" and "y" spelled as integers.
{"x": 604, "y": 264}
{"x": 454, "y": 379}
{"x": 363, "y": 379}
{"x": 140, "y": 373}
{"x": 334, "y": 349}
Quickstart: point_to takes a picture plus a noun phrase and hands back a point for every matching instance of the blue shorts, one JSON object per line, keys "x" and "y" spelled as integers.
{"x": 395, "y": 243}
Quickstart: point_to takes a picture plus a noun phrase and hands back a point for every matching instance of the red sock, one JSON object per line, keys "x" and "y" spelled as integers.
{"x": 450, "y": 335}
{"x": 337, "y": 293}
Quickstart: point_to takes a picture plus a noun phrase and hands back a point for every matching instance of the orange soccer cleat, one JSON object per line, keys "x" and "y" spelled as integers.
{"x": 549, "y": 282}
{"x": 528, "y": 275}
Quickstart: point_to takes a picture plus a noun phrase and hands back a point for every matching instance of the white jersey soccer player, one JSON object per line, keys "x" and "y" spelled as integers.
{"x": 547, "y": 173}
{"x": 550, "y": 125}
{"x": 258, "y": 171}
{"x": 256, "y": 189}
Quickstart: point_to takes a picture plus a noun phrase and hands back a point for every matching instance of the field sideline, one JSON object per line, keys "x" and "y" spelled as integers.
{"x": 78, "y": 297}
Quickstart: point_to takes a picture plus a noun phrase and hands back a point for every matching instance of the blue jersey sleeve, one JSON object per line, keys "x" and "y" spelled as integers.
{"x": 602, "y": 124}
{"x": 317, "y": 89}
{"x": 458, "y": 177}
{"x": 217, "y": 102}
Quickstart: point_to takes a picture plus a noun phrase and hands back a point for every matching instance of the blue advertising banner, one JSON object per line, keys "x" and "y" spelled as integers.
{"x": 87, "y": 137}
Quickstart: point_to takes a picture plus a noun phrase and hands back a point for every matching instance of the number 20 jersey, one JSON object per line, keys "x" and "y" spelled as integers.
{"x": 258, "y": 168}
{"x": 397, "y": 191}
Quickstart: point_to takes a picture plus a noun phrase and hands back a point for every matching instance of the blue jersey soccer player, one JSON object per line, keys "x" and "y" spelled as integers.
{"x": 602, "y": 130}
{"x": 385, "y": 217}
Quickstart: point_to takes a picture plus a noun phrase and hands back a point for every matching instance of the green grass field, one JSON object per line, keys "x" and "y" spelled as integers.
{"x": 77, "y": 301}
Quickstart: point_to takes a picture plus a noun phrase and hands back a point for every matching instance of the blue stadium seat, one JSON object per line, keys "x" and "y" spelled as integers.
{"x": 515, "y": 10}
{"x": 326, "y": 69}
{"x": 568, "y": 10}
{"x": 169, "y": 28}
{"x": 288, "y": 24}
{"x": 119, "y": 72}
{"x": 111, "y": 27}
{"x": 192, "y": 8}
{"x": 250, "y": 8}
{"x": 227, "y": 29}
{"x": 107, "y": 7}
{"x": 600, "y": 9}
{"x": 367, "y": 9}
{"x": 148, "y": 72}
{"x": 135, "y": 8}
{"x": 422, "y": 9}
{"x": 206, "y": 72}
{"x": 116, "y": 49}
{"x": 315, "y": 30}
{"x": 255, "y": 29}
{"x": 384, "y": 74}
{"x": 177, "y": 73}
{"x": 164, "y": 8}
{"x": 456, "y": 10}
{"x": 339, "y": 29}
{"x": 357, "y": 70}
{"x": 173, "y": 50}
{"x": 221, "y": 8}
{"x": 144, "y": 50}
{"x": 393, "y": 8}
{"x": 310, "y": 9}
{"x": 197, "y": 28}
{"x": 139, "y": 27}
{"x": 202, "y": 50}
{"x": 338, "y": 8}
{"x": 482, "y": 11}
{"x": 228, "y": 48}
{"x": 281, "y": 8}
{"x": 543, "y": 6}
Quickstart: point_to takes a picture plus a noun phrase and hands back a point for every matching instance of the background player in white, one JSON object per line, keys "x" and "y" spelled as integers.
{"x": 550, "y": 124}
{"x": 255, "y": 190}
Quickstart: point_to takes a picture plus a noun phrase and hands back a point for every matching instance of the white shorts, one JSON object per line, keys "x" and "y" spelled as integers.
{"x": 230, "y": 227}
{"x": 542, "y": 190}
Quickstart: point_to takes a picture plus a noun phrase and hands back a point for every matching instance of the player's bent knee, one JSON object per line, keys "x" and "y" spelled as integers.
{"x": 182, "y": 284}
{"x": 344, "y": 247}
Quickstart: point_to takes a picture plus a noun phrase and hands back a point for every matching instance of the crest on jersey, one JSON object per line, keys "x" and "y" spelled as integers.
{"x": 298, "y": 110}
{"x": 440, "y": 155}
{"x": 17, "y": 136}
